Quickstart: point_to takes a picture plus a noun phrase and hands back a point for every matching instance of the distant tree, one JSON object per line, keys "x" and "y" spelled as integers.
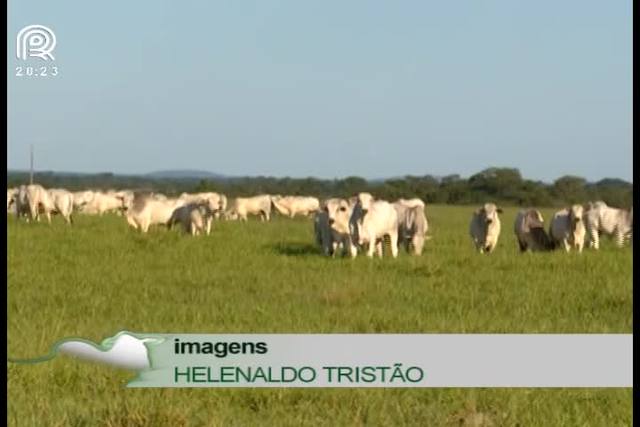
{"x": 570, "y": 189}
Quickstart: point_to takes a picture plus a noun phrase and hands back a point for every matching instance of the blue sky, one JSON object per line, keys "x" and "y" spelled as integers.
{"x": 327, "y": 89}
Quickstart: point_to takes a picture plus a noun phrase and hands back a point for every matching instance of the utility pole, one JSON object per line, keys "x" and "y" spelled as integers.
{"x": 31, "y": 167}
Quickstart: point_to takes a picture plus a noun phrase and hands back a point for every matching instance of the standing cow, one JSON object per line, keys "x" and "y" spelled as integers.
{"x": 12, "y": 193}
{"x": 62, "y": 201}
{"x": 339, "y": 213}
{"x": 82, "y": 199}
{"x": 22, "y": 203}
{"x": 567, "y": 228}
{"x": 257, "y": 205}
{"x": 39, "y": 202}
{"x": 194, "y": 218}
{"x": 295, "y": 205}
{"x": 529, "y": 230}
{"x": 412, "y": 225}
{"x": 370, "y": 226}
{"x": 485, "y": 227}
{"x": 601, "y": 218}
{"x": 147, "y": 210}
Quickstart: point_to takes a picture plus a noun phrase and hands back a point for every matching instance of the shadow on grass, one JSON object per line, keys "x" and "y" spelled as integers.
{"x": 296, "y": 249}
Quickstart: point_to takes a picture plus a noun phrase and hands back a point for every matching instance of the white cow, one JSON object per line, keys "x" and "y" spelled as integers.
{"x": 62, "y": 201}
{"x": 601, "y": 218}
{"x": 39, "y": 202}
{"x": 370, "y": 226}
{"x": 126, "y": 196}
{"x": 81, "y": 199}
{"x": 412, "y": 226}
{"x": 567, "y": 228}
{"x": 485, "y": 227}
{"x": 194, "y": 218}
{"x": 529, "y": 230}
{"x": 103, "y": 202}
{"x": 12, "y": 193}
{"x": 295, "y": 205}
{"x": 147, "y": 211}
{"x": 256, "y": 205}
{"x": 22, "y": 203}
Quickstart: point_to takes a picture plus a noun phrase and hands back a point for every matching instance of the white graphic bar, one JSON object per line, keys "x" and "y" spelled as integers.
{"x": 413, "y": 360}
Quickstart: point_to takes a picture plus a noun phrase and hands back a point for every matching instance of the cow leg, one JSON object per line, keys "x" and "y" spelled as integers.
{"x": 619, "y": 238}
{"x": 393, "y": 237}
{"x": 335, "y": 248}
{"x": 379, "y": 245}
{"x": 523, "y": 246}
{"x": 595, "y": 240}
{"x": 567, "y": 246}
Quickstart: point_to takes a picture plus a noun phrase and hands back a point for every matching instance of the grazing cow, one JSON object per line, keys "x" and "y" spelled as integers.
{"x": 529, "y": 229}
{"x": 126, "y": 196}
{"x": 601, "y": 218}
{"x": 485, "y": 227}
{"x": 295, "y": 205}
{"x": 39, "y": 202}
{"x": 370, "y": 226}
{"x": 194, "y": 218}
{"x": 567, "y": 228}
{"x": 214, "y": 202}
{"x": 82, "y": 199}
{"x": 256, "y": 205}
{"x": 62, "y": 201}
{"x": 147, "y": 210}
{"x": 412, "y": 226}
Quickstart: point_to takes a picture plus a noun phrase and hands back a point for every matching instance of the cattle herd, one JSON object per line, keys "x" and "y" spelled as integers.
{"x": 348, "y": 226}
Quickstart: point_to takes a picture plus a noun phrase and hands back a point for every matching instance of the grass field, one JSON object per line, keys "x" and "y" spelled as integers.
{"x": 88, "y": 281}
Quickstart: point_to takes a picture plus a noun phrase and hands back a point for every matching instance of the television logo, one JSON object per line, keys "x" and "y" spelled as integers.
{"x": 35, "y": 41}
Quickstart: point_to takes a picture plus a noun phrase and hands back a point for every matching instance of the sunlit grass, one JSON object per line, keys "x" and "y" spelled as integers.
{"x": 98, "y": 277}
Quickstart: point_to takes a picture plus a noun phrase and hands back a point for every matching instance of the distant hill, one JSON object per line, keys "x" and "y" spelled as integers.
{"x": 184, "y": 174}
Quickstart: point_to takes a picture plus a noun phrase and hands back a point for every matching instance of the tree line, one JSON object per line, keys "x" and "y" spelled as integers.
{"x": 501, "y": 185}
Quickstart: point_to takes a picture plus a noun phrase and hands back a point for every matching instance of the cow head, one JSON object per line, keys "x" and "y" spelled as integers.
{"x": 230, "y": 215}
{"x": 338, "y": 215}
{"x": 489, "y": 213}
{"x": 532, "y": 219}
{"x": 365, "y": 200}
{"x": 576, "y": 213}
